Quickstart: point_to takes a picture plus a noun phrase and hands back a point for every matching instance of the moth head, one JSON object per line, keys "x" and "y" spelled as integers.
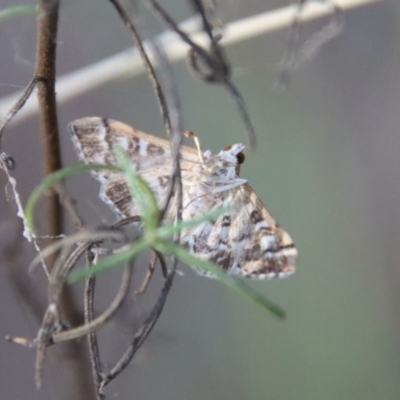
{"x": 224, "y": 166}
{"x": 236, "y": 149}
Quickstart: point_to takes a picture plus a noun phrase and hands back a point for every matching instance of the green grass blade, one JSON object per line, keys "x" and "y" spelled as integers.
{"x": 11, "y": 12}
{"x": 140, "y": 190}
{"x": 235, "y": 284}
{"x": 167, "y": 231}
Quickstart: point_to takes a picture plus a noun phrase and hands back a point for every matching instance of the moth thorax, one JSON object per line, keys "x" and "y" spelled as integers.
{"x": 219, "y": 171}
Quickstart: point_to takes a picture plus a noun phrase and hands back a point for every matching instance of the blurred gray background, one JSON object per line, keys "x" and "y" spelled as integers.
{"x": 327, "y": 166}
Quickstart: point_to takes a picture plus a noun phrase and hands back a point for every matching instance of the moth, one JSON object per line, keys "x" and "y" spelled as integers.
{"x": 245, "y": 241}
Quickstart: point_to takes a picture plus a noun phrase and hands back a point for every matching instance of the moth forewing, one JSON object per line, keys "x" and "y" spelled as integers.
{"x": 246, "y": 241}
{"x": 280, "y": 253}
{"x": 94, "y": 138}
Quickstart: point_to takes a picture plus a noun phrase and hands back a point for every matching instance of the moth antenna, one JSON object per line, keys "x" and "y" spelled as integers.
{"x": 193, "y": 136}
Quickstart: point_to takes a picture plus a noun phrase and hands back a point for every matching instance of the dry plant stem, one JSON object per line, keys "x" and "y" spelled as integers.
{"x": 160, "y": 12}
{"x": 51, "y": 328}
{"x": 158, "y": 92}
{"x": 149, "y": 274}
{"x": 43, "y": 340}
{"x": 65, "y": 262}
{"x": 238, "y": 100}
{"x": 51, "y": 322}
{"x": 90, "y": 284}
{"x": 143, "y": 331}
{"x": 45, "y": 71}
{"x": 18, "y": 105}
{"x": 102, "y": 319}
{"x": 150, "y": 271}
{"x": 68, "y": 259}
{"x": 89, "y": 236}
{"x": 218, "y": 68}
{"x": 207, "y": 11}
{"x": 146, "y": 61}
{"x": 172, "y": 103}
{"x": 174, "y": 135}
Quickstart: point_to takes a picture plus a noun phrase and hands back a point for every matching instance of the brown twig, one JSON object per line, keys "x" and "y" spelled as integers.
{"x": 146, "y": 61}
{"x": 149, "y": 274}
{"x": 150, "y": 271}
{"x": 174, "y": 135}
{"x": 86, "y": 236}
{"x": 51, "y": 322}
{"x": 53, "y": 329}
{"x": 44, "y": 80}
{"x": 206, "y": 9}
{"x": 214, "y": 59}
{"x": 102, "y": 319}
{"x": 143, "y": 331}
{"x": 18, "y": 105}
{"x": 174, "y": 130}
{"x": 92, "y": 337}
{"x": 45, "y": 73}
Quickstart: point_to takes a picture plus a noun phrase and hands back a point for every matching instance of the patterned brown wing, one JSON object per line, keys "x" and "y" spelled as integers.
{"x": 246, "y": 241}
{"x": 94, "y": 138}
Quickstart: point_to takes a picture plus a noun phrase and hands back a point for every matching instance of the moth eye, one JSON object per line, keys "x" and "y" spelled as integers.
{"x": 240, "y": 156}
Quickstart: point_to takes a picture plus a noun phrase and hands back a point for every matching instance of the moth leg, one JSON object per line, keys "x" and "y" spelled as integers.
{"x": 211, "y": 191}
{"x": 193, "y": 136}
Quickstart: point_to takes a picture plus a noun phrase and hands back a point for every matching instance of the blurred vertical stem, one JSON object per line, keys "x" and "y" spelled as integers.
{"x": 45, "y": 74}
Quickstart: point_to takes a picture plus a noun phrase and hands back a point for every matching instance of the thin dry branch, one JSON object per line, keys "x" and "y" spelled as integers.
{"x": 144, "y": 330}
{"x": 218, "y": 70}
{"x": 150, "y": 71}
{"x": 52, "y": 328}
{"x": 102, "y": 319}
{"x": 93, "y": 345}
{"x": 45, "y": 72}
